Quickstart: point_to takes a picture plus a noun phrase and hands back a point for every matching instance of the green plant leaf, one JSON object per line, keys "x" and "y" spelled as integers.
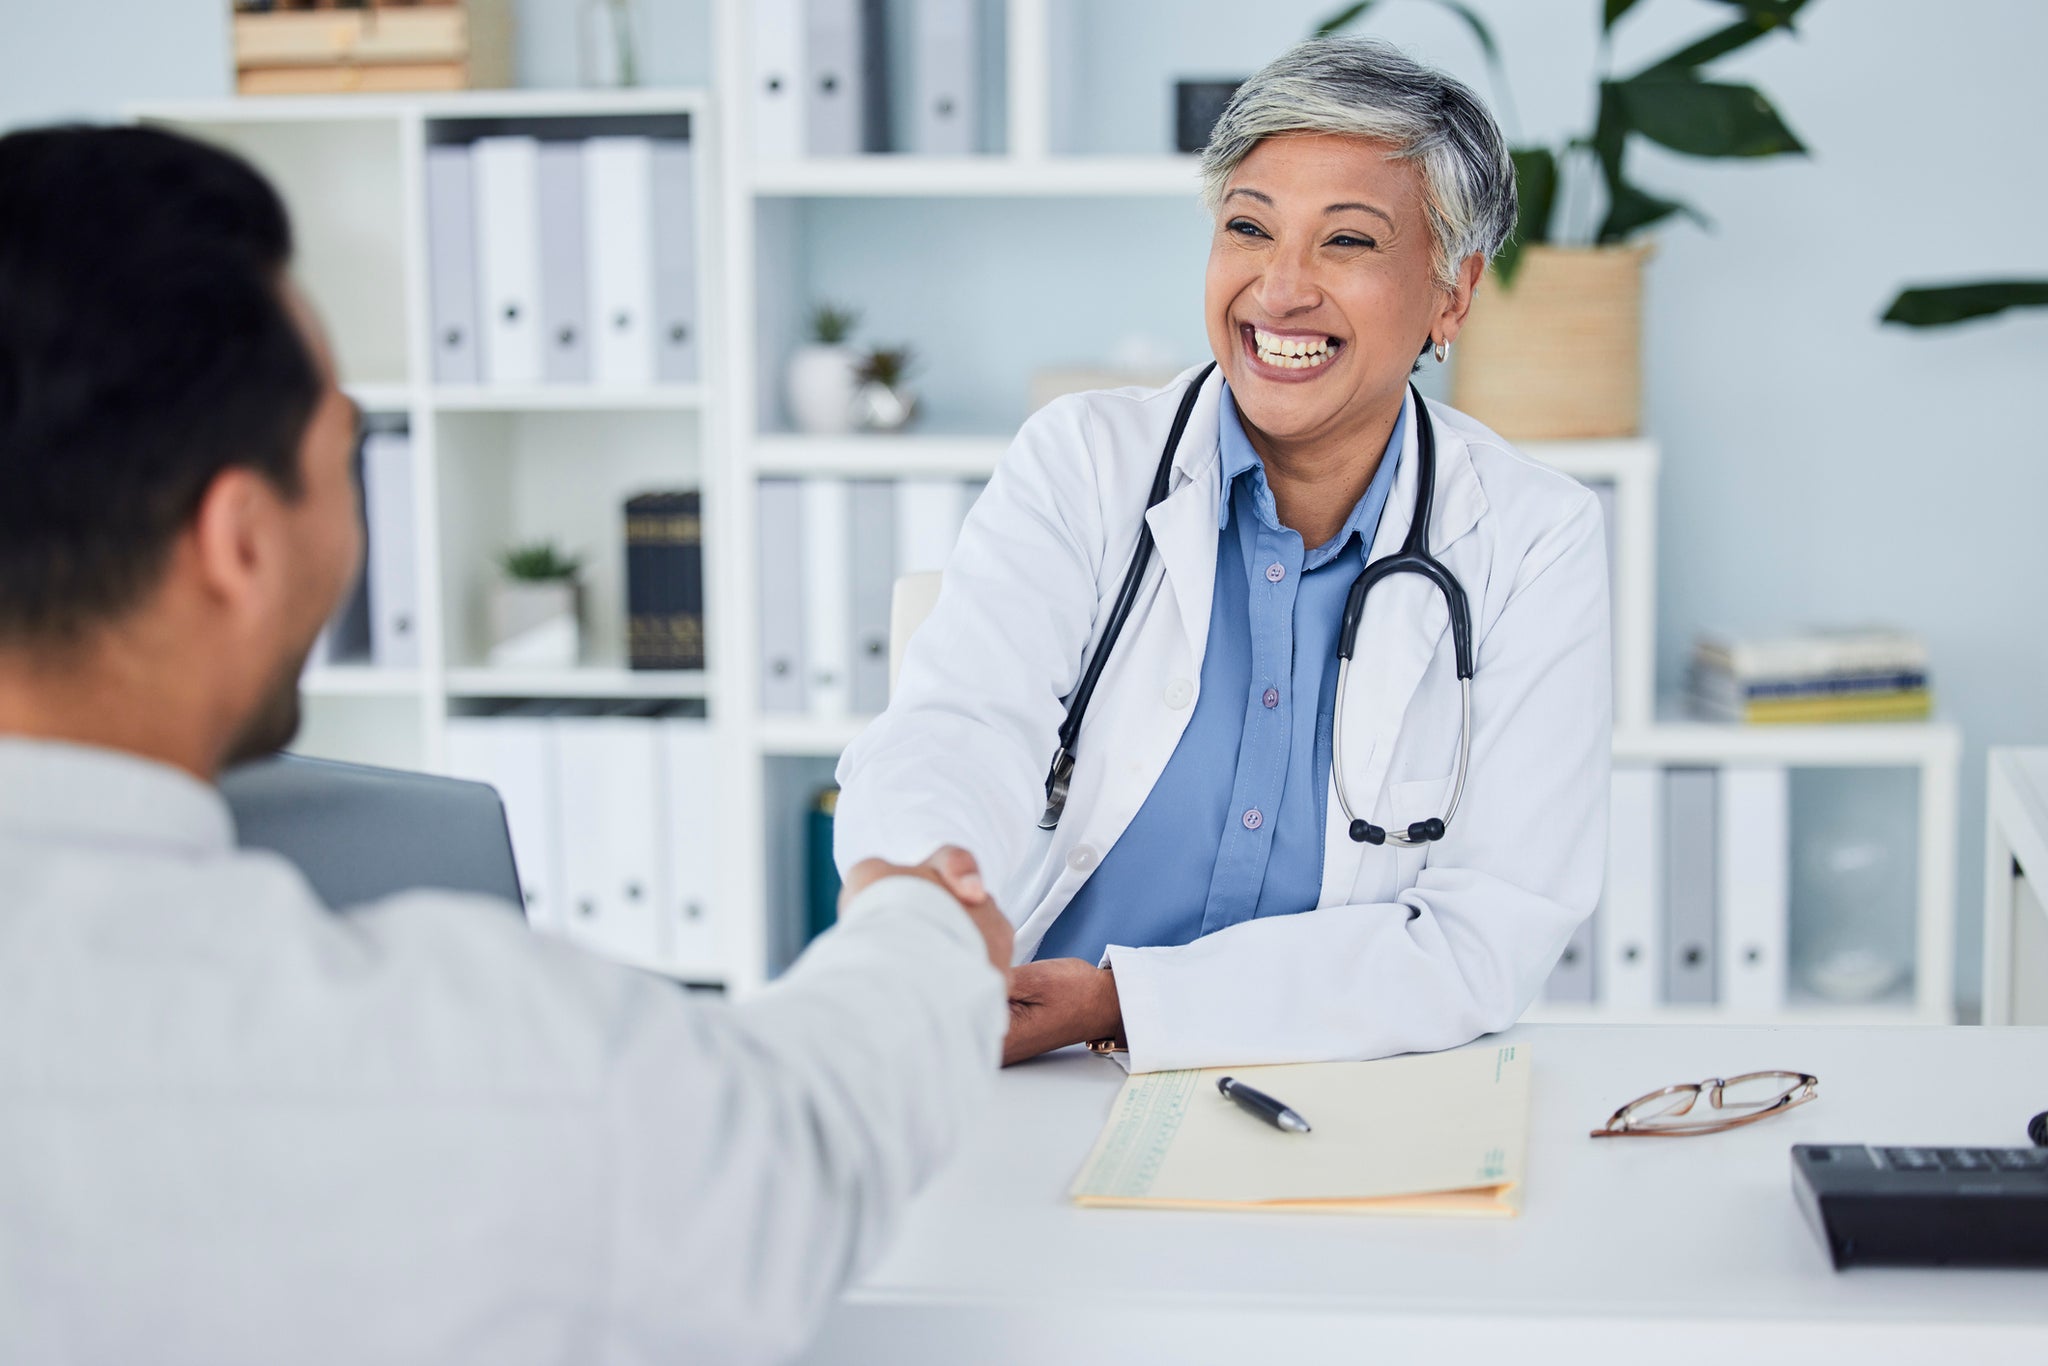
{"x": 1771, "y": 13}
{"x": 1631, "y": 208}
{"x": 1739, "y": 34}
{"x": 1704, "y": 118}
{"x": 1343, "y": 18}
{"x": 1941, "y": 305}
{"x": 1535, "y": 193}
{"x": 1615, "y": 9}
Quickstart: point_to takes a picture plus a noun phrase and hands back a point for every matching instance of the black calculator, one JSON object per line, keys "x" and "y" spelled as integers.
{"x": 1925, "y": 1206}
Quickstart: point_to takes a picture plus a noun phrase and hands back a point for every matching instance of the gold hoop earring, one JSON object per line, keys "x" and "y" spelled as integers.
{"x": 1443, "y": 352}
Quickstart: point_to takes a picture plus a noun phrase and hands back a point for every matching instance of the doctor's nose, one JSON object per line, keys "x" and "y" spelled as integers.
{"x": 1288, "y": 285}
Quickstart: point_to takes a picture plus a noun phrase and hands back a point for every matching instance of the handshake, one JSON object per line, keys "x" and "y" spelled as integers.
{"x": 1053, "y": 1002}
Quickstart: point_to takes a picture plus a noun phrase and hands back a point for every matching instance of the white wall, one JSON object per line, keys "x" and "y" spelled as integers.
{"x": 1818, "y": 468}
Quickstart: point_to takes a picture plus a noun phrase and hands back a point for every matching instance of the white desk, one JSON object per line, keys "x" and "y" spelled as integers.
{"x": 1650, "y": 1251}
{"x": 2015, "y": 874}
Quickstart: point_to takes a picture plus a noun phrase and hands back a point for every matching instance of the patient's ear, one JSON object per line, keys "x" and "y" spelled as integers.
{"x": 235, "y": 544}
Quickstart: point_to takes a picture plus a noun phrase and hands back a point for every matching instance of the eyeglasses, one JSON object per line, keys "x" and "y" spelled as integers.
{"x": 1745, "y": 1099}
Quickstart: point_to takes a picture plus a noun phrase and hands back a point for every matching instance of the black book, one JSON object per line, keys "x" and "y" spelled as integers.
{"x": 665, "y": 581}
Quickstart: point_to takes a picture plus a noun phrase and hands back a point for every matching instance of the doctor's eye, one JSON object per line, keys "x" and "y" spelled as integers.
{"x": 1244, "y": 227}
{"x": 1352, "y": 239}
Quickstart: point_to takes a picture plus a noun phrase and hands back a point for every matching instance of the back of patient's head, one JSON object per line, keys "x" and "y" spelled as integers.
{"x": 145, "y": 347}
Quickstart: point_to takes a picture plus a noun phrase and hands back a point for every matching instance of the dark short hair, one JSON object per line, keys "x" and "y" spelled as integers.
{"x": 145, "y": 347}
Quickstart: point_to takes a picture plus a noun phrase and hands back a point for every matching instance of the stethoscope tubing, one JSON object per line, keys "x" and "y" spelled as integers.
{"x": 1412, "y": 558}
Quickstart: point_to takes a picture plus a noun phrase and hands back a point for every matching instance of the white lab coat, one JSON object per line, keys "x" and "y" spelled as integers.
{"x": 1406, "y": 950}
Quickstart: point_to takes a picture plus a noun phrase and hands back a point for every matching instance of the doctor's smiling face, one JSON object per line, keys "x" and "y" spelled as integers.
{"x": 1322, "y": 290}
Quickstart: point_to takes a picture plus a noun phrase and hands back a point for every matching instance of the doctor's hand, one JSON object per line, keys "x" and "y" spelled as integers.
{"x": 1057, "y": 1002}
{"x": 954, "y": 869}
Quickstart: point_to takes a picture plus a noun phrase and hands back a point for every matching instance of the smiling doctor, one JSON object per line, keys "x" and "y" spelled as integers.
{"x": 1244, "y": 849}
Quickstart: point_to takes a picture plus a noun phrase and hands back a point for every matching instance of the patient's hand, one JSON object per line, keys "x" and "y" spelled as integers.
{"x": 953, "y": 869}
{"x": 1057, "y": 1002}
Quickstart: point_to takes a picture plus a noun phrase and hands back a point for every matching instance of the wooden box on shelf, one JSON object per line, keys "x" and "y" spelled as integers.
{"x": 387, "y": 46}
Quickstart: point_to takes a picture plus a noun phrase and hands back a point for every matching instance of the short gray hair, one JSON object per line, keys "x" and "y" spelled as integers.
{"x": 1362, "y": 87}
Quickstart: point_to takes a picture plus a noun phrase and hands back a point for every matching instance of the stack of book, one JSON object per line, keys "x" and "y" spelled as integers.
{"x": 1870, "y": 675}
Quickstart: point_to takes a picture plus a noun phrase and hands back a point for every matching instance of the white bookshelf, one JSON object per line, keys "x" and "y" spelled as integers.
{"x": 492, "y": 469}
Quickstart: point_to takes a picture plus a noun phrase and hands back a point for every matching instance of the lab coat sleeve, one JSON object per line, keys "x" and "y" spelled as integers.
{"x": 762, "y": 1153}
{"x": 960, "y": 755}
{"x": 1465, "y": 949}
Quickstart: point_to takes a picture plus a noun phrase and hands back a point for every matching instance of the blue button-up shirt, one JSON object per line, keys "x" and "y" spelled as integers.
{"x": 1250, "y": 777}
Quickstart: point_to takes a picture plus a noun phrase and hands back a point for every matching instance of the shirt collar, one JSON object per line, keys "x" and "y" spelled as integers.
{"x": 1240, "y": 460}
{"x": 52, "y": 790}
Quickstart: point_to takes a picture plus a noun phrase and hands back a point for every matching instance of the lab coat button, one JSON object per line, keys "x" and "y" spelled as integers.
{"x": 1179, "y": 692}
{"x": 1275, "y": 572}
{"x": 1253, "y": 820}
{"x": 1081, "y": 858}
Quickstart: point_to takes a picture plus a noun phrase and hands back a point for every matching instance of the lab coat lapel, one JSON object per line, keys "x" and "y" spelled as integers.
{"x": 1405, "y": 621}
{"x": 1184, "y": 524}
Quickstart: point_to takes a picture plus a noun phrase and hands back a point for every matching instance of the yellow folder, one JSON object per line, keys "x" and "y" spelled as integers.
{"x": 1430, "y": 1133}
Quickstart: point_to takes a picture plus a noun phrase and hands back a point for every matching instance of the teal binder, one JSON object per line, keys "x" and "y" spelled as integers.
{"x": 821, "y": 875}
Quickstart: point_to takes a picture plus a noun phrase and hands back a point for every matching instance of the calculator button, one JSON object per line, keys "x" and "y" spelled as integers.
{"x": 1965, "y": 1160}
{"x": 2019, "y": 1159}
{"x": 1912, "y": 1159}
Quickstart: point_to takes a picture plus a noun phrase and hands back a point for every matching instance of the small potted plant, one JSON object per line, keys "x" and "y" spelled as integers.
{"x": 536, "y": 608}
{"x": 822, "y": 379}
{"x": 882, "y": 404}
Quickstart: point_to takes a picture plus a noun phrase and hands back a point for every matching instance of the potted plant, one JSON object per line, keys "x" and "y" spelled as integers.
{"x": 1552, "y": 350}
{"x": 1941, "y": 305}
{"x": 822, "y": 379}
{"x": 882, "y": 404}
{"x": 536, "y": 609}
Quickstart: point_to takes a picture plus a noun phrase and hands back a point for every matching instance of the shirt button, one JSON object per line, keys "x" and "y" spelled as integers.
{"x": 1272, "y": 697}
{"x": 1179, "y": 692}
{"x": 1253, "y": 820}
{"x": 1081, "y": 858}
{"x": 1275, "y": 572}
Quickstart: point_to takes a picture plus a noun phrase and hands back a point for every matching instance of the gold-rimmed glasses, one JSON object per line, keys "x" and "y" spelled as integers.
{"x": 1736, "y": 1101}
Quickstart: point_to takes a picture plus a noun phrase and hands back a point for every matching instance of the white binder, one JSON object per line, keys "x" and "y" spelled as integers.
{"x": 780, "y": 566}
{"x": 612, "y": 832}
{"x": 1754, "y": 832}
{"x": 1631, "y": 960}
{"x": 676, "y": 320}
{"x": 929, "y": 513}
{"x": 508, "y": 258}
{"x": 688, "y": 928}
{"x": 828, "y": 598}
{"x": 873, "y": 572}
{"x": 516, "y": 755}
{"x": 947, "y": 111}
{"x": 835, "y": 95}
{"x": 393, "y": 572}
{"x": 617, "y": 178}
{"x": 564, "y": 266}
{"x": 778, "y": 79}
{"x": 451, "y": 264}
{"x": 1691, "y": 906}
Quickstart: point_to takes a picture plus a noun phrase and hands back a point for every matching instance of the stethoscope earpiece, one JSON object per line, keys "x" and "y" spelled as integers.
{"x": 1365, "y": 832}
{"x": 2037, "y": 1129}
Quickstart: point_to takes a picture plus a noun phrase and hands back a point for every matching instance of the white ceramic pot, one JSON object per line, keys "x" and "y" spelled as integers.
{"x": 822, "y": 382}
{"x": 535, "y": 625}
{"x": 879, "y": 408}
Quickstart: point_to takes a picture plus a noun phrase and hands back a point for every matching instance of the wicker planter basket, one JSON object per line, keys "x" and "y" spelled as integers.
{"x": 1558, "y": 356}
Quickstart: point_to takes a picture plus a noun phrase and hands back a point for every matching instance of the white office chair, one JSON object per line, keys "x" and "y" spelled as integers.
{"x": 912, "y": 601}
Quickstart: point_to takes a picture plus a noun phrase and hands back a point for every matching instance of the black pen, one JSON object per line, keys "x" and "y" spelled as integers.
{"x": 1262, "y": 1105}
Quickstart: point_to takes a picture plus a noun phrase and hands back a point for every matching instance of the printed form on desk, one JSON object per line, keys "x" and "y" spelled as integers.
{"x": 1429, "y": 1133}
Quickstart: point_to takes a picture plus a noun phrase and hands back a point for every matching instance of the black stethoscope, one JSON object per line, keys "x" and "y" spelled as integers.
{"x": 1412, "y": 558}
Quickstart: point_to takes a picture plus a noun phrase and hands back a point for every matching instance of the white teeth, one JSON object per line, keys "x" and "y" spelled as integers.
{"x": 1291, "y": 353}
